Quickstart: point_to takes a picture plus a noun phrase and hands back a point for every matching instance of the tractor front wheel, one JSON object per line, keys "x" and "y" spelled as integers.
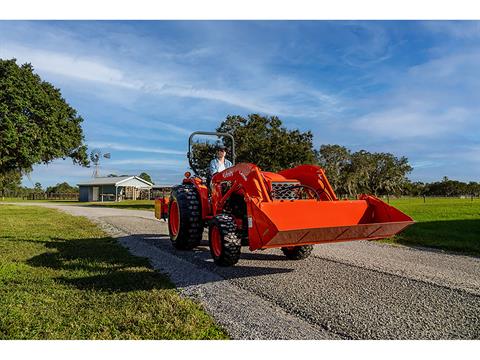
{"x": 224, "y": 242}
{"x": 185, "y": 225}
{"x": 297, "y": 252}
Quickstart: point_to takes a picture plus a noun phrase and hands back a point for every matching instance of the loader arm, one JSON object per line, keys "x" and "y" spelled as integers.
{"x": 313, "y": 176}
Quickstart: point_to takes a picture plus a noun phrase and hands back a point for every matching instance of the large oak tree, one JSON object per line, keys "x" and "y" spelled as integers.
{"x": 37, "y": 125}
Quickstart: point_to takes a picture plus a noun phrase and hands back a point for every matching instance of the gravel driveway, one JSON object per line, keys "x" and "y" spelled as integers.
{"x": 358, "y": 290}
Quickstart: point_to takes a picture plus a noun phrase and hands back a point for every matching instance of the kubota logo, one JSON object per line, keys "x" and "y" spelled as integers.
{"x": 227, "y": 174}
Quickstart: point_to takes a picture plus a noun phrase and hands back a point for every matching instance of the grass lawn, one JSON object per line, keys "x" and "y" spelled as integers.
{"x": 62, "y": 278}
{"x": 442, "y": 223}
{"x": 20, "y": 200}
{"x": 125, "y": 204}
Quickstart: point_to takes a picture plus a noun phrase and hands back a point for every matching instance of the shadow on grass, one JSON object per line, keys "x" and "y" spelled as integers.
{"x": 102, "y": 264}
{"x": 99, "y": 264}
{"x": 461, "y": 236}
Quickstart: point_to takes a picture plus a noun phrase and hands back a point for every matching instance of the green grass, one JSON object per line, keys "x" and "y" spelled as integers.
{"x": 444, "y": 223}
{"x": 20, "y": 200}
{"x": 62, "y": 278}
{"x": 125, "y": 204}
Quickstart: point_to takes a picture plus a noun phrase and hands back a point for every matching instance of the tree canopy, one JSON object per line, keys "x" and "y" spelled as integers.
{"x": 445, "y": 187}
{"x": 146, "y": 177}
{"x": 362, "y": 171}
{"x": 201, "y": 155}
{"x": 36, "y": 124}
{"x": 62, "y": 188}
{"x": 262, "y": 140}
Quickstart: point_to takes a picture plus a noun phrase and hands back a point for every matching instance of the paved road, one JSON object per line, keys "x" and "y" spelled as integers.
{"x": 358, "y": 290}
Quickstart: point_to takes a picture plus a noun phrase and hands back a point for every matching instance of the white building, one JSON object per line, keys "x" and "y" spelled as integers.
{"x": 114, "y": 188}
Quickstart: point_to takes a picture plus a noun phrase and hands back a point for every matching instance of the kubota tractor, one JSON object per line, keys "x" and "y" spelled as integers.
{"x": 291, "y": 210}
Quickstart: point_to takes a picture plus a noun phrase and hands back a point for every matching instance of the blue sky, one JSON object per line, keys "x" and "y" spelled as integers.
{"x": 406, "y": 87}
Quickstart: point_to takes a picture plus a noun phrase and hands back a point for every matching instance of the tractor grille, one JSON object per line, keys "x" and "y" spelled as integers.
{"x": 284, "y": 191}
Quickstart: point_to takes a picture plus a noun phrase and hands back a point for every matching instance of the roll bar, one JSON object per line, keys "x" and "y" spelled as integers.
{"x": 218, "y": 134}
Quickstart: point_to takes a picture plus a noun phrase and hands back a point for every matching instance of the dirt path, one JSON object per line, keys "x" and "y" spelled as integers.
{"x": 359, "y": 290}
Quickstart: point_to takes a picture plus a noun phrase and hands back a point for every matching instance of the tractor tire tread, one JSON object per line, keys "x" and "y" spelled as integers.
{"x": 297, "y": 252}
{"x": 231, "y": 242}
{"x": 191, "y": 224}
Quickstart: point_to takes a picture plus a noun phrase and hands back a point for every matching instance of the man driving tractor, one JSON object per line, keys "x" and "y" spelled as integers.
{"x": 220, "y": 163}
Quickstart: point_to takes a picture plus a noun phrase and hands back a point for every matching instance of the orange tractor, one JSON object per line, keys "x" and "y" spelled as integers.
{"x": 291, "y": 210}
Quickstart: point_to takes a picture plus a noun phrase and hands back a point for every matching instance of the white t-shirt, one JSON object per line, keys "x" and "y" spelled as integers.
{"x": 221, "y": 166}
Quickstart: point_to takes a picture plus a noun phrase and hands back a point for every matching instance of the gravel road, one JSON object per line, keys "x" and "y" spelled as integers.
{"x": 357, "y": 290}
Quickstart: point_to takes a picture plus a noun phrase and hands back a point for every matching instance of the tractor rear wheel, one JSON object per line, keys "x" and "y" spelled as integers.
{"x": 185, "y": 225}
{"x": 225, "y": 244}
{"x": 297, "y": 252}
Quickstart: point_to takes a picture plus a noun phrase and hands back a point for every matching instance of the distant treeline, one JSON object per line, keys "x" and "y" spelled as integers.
{"x": 446, "y": 187}
{"x": 16, "y": 190}
{"x": 352, "y": 173}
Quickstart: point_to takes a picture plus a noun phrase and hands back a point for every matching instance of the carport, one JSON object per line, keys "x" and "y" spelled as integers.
{"x": 115, "y": 188}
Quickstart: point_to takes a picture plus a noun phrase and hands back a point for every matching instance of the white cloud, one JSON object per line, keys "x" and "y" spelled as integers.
{"x": 81, "y": 68}
{"x": 455, "y": 29}
{"x": 260, "y": 92}
{"x": 162, "y": 127}
{"x": 425, "y": 164}
{"x": 150, "y": 162}
{"x": 411, "y": 122}
{"x": 133, "y": 148}
{"x": 439, "y": 98}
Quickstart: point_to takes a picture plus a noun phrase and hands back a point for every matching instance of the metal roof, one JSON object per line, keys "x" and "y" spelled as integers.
{"x": 114, "y": 180}
{"x": 156, "y": 186}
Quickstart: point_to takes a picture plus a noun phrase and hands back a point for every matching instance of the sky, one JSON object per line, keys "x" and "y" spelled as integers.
{"x": 411, "y": 88}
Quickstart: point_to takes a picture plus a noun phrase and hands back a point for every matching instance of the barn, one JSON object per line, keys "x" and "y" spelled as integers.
{"x": 114, "y": 189}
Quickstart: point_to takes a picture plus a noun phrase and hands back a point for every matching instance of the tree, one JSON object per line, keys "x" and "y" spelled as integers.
{"x": 335, "y": 160}
{"x": 387, "y": 173}
{"x": 448, "y": 187}
{"x": 263, "y": 141}
{"x": 416, "y": 188}
{"x": 362, "y": 171}
{"x": 473, "y": 188}
{"x": 146, "y": 177}
{"x": 358, "y": 173}
{"x": 38, "y": 187}
{"x": 10, "y": 182}
{"x": 201, "y": 155}
{"x": 36, "y": 124}
{"x": 62, "y": 188}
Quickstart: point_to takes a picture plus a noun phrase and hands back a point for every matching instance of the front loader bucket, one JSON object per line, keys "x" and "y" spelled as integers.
{"x": 303, "y": 222}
